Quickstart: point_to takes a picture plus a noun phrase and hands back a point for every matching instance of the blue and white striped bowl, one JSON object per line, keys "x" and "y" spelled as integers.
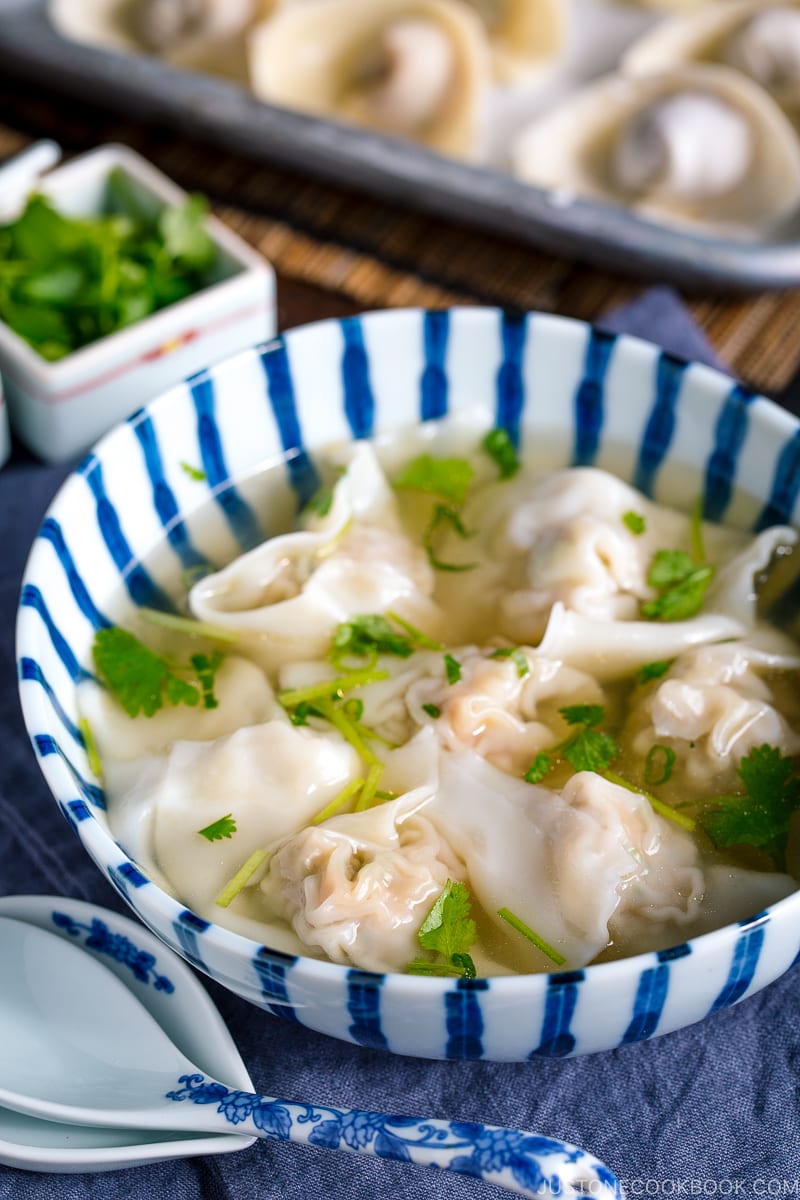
{"x": 591, "y": 398}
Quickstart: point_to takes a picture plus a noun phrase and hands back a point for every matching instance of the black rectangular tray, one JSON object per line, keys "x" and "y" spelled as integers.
{"x": 225, "y": 114}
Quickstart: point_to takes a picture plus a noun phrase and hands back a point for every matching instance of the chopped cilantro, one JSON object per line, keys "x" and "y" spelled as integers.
{"x": 517, "y": 923}
{"x": 241, "y": 879}
{"x": 432, "y": 710}
{"x": 681, "y": 583}
{"x": 517, "y": 655}
{"x": 760, "y": 817}
{"x": 140, "y": 680}
{"x": 69, "y": 281}
{"x": 449, "y": 478}
{"x": 353, "y": 709}
{"x": 417, "y": 636}
{"x": 658, "y": 765}
{"x": 443, "y": 515}
{"x": 327, "y": 688}
{"x": 542, "y": 765}
{"x": 664, "y": 810}
{"x": 207, "y": 667}
{"x": 339, "y": 801}
{"x": 696, "y": 532}
{"x": 453, "y": 668}
{"x": 635, "y": 522}
{"x": 585, "y": 750}
{"x": 653, "y": 670}
{"x": 95, "y": 765}
{"x": 499, "y": 446}
{"x": 225, "y": 827}
{"x": 193, "y": 472}
{"x": 449, "y": 931}
{"x": 368, "y": 636}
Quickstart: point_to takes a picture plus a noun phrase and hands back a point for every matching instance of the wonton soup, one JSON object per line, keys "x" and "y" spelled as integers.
{"x": 468, "y": 718}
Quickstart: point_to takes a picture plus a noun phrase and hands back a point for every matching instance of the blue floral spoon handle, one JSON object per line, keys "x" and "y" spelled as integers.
{"x": 79, "y": 1047}
{"x": 510, "y": 1158}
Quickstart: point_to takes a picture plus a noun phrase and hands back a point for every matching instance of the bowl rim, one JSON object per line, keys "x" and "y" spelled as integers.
{"x": 103, "y": 847}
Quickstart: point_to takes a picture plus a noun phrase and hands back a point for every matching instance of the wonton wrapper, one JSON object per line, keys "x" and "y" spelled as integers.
{"x": 526, "y": 36}
{"x": 221, "y": 49}
{"x": 323, "y": 57}
{"x": 706, "y": 37}
{"x": 571, "y": 149}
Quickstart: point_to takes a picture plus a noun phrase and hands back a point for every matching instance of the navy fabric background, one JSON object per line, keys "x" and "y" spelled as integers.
{"x": 713, "y": 1110}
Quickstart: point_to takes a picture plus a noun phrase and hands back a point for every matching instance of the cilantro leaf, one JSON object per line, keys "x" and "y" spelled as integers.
{"x": 432, "y": 710}
{"x": 653, "y": 670}
{"x": 140, "y": 680}
{"x": 225, "y": 827}
{"x": 583, "y": 714}
{"x": 590, "y": 750}
{"x": 542, "y": 765}
{"x": 760, "y": 817}
{"x": 499, "y": 446}
{"x": 587, "y": 749}
{"x": 635, "y": 522}
{"x": 681, "y": 582}
{"x": 452, "y": 668}
{"x": 517, "y": 655}
{"x": 66, "y": 282}
{"x": 369, "y": 634}
{"x": 206, "y": 667}
{"x": 449, "y": 478}
{"x": 183, "y": 231}
{"x": 449, "y": 931}
{"x": 193, "y": 472}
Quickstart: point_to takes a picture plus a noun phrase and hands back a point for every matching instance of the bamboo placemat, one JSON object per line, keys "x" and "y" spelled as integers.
{"x": 381, "y": 256}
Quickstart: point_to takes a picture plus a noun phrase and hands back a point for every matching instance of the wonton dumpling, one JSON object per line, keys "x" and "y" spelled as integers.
{"x": 758, "y": 38}
{"x": 202, "y": 35}
{"x": 272, "y": 778}
{"x": 287, "y": 596}
{"x": 412, "y": 68}
{"x": 712, "y": 708}
{"x": 565, "y": 862}
{"x": 500, "y": 715}
{"x": 244, "y": 697}
{"x": 526, "y": 36}
{"x": 570, "y": 536}
{"x": 700, "y": 145}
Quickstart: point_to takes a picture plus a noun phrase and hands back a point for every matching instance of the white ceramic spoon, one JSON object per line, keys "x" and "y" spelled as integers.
{"x": 77, "y": 1046}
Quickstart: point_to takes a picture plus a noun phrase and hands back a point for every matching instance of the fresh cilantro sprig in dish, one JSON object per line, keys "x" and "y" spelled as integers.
{"x": 142, "y": 681}
{"x": 586, "y": 749}
{"x": 66, "y": 282}
{"x": 448, "y": 931}
{"x": 761, "y": 815}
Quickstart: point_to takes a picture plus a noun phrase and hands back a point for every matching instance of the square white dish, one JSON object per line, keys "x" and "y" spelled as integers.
{"x": 60, "y": 409}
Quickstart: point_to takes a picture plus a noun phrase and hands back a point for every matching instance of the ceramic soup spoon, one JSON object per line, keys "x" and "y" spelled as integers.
{"x": 78, "y": 1047}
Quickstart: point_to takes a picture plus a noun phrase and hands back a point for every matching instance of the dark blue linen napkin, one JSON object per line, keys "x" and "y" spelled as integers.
{"x": 710, "y": 1111}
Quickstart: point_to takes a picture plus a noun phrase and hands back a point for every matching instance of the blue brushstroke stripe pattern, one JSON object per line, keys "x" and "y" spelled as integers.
{"x": 464, "y": 1020}
{"x": 142, "y": 589}
{"x": 590, "y": 398}
{"x": 240, "y": 517}
{"x": 785, "y": 487}
{"x": 510, "y": 388}
{"x": 303, "y": 475}
{"x": 364, "y": 1009}
{"x": 729, "y": 436}
{"x": 164, "y": 501}
{"x": 359, "y": 402}
{"x": 433, "y": 386}
{"x": 51, "y": 532}
{"x": 660, "y": 426}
